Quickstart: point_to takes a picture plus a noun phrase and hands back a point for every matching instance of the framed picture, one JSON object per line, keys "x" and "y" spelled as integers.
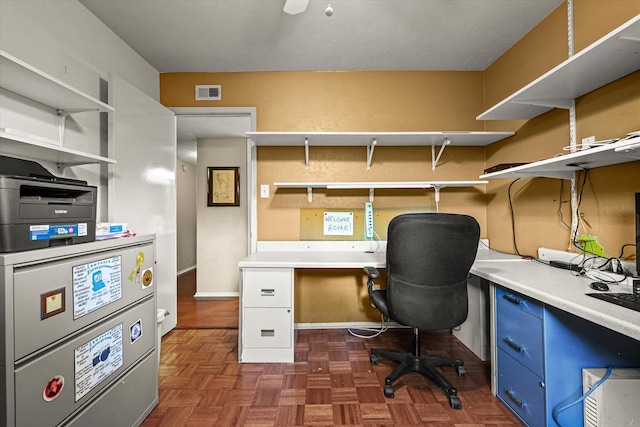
{"x": 224, "y": 186}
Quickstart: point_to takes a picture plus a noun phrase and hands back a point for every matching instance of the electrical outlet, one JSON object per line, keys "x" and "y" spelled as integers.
{"x": 368, "y": 220}
{"x": 264, "y": 191}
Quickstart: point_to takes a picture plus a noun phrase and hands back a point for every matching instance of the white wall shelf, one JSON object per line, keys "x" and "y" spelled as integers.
{"x": 21, "y": 78}
{"x": 27, "y": 81}
{"x": 371, "y": 186}
{"x": 613, "y": 56}
{"x": 349, "y": 139}
{"x": 21, "y": 146}
{"x": 373, "y": 139}
{"x": 563, "y": 167}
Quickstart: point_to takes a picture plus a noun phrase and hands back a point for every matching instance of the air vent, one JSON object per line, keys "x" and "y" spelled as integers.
{"x": 208, "y": 92}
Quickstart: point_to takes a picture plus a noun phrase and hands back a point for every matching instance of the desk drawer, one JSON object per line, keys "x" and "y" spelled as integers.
{"x": 267, "y": 287}
{"x": 521, "y": 390}
{"x": 519, "y": 334}
{"x": 267, "y": 328}
{"x": 518, "y": 301}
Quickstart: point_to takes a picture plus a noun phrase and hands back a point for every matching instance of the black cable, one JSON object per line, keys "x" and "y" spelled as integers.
{"x": 560, "y": 202}
{"x": 575, "y": 232}
{"x": 624, "y": 246}
{"x": 513, "y": 221}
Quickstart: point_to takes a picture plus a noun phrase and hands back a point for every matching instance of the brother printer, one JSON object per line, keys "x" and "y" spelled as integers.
{"x": 38, "y": 209}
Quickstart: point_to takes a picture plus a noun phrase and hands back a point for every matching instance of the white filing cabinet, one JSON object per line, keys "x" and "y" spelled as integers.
{"x": 475, "y": 331}
{"x": 266, "y": 315}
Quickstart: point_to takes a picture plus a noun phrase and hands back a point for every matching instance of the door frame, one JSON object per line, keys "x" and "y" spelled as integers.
{"x": 225, "y": 112}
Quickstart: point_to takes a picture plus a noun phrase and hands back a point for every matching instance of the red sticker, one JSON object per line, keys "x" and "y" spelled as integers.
{"x": 53, "y": 388}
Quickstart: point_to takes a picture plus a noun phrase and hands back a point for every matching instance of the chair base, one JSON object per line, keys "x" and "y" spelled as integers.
{"x": 423, "y": 364}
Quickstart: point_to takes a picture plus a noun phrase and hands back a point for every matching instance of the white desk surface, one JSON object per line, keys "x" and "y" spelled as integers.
{"x": 552, "y": 286}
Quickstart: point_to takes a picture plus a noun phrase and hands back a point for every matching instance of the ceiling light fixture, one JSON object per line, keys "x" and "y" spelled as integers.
{"x": 329, "y": 10}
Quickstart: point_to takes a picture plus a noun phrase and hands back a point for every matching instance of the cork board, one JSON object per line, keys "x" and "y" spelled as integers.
{"x": 312, "y": 221}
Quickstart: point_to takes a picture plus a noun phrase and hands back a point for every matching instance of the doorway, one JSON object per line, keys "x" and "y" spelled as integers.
{"x": 208, "y": 125}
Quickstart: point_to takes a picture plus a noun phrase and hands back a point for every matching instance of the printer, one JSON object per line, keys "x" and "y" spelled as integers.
{"x": 39, "y": 210}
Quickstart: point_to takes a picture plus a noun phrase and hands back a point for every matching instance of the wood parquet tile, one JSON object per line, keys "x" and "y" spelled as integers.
{"x": 331, "y": 383}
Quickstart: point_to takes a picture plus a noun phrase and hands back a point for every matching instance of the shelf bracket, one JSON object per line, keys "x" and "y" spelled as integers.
{"x": 546, "y": 103}
{"x": 63, "y": 114}
{"x": 309, "y": 194}
{"x": 434, "y": 158}
{"x": 370, "y": 149}
{"x": 306, "y": 155}
{"x": 371, "y": 192}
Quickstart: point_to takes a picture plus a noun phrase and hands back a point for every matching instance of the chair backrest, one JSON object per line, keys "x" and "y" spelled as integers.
{"x": 428, "y": 260}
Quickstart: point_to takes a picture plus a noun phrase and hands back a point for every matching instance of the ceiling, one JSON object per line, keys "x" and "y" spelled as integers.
{"x": 256, "y": 35}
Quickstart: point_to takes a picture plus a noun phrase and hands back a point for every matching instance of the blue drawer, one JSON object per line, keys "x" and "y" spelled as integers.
{"x": 519, "y": 334}
{"x": 521, "y": 390}
{"x": 518, "y": 301}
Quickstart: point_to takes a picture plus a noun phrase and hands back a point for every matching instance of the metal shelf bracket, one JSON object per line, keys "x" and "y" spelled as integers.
{"x": 306, "y": 156}
{"x": 370, "y": 149}
{"x": 434, "y": 158}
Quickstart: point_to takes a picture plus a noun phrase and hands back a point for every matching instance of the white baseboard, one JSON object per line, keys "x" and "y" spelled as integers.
{"x": 184, "y": 270}
{"x": 211, "y": 295}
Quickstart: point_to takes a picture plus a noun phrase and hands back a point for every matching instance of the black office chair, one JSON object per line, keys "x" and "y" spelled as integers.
{"x": 428, "y": 260}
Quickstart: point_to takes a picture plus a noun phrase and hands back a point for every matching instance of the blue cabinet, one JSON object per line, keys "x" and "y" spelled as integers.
{"x": 541, "y": 351}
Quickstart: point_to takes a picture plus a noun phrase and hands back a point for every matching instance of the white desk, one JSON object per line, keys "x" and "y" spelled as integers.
{"x": 266, "y": 329}
{"x": 270, "y": 313}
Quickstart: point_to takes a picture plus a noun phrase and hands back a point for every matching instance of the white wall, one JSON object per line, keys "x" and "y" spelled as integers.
{"x": 222, "y": 231}
{"x": 64, "y": 40}
{"x": 186, "y": 215}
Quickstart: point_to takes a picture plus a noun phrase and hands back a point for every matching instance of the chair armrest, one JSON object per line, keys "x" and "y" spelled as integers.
{"x": 372, "y": 272}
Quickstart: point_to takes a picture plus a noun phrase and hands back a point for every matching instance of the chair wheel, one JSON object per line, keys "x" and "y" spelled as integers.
{"x": 388, "y": 391}
{"x": 373, "y": 359}
{"x": 462, "y": 371}
{"x": 455, "y": 403}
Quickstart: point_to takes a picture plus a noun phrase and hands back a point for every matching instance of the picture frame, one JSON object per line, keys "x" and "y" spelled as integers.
{"x": 223, "y": 186}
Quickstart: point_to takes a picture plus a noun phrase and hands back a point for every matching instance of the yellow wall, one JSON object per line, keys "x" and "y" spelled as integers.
{"x": 434, "y": 101}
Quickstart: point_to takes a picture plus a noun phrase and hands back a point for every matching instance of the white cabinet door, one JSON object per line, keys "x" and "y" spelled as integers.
{"x": 142, "y": 193}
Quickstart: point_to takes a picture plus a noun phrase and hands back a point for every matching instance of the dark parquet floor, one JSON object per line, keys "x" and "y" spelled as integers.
{"x": 331, "y": 383}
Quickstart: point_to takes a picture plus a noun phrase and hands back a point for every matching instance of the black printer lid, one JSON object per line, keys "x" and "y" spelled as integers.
{"x": 10, "y": 166}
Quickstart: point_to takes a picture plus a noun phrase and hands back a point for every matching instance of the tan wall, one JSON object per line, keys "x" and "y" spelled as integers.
{"x": 432, "y": 101}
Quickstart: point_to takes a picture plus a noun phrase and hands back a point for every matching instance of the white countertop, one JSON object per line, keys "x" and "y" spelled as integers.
{"x": 315, "y": 259}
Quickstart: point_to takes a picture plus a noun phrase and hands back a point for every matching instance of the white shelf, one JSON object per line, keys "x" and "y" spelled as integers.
{"x": 564, "y": 166}
{"x": 613, "y": 56}
{"x": 374, "y": 139}
{"x": 20, "y": 146}
{"x": 25, "y": 80}
{"x": 21, "y": 78}
{"x": 349, "y": 139}
{"x": 436, "y": 185}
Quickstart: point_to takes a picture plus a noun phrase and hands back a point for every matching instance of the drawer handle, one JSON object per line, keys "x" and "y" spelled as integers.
{"x": 513, "y": 345}
{"x": 512, "y": 299}
{"x": 514, "y": 398}
{"x": 267, "y": 332}
{"x": 268, "y": 292}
